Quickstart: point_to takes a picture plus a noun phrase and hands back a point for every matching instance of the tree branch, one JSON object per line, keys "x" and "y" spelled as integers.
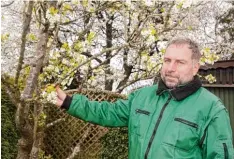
{"x": 88, "y": 54}
{"x": 127, "y": 69}
{"x": 6, "y": 5}
{"x": 76, "y": 149}
{"x": 55, "y": 122}
{"x": 143, "y": 77}
{"x": 133, "y": 81}
{"x": 90, "y": 59}
{"x": 26, "y": 27}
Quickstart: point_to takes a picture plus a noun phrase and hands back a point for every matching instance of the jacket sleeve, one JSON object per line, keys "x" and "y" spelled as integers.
{"x": 218, "y": 137}
{"x": 101, "y": 113}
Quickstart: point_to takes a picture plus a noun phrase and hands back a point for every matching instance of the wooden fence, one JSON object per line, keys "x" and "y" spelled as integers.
{"x": 74, "y": 138}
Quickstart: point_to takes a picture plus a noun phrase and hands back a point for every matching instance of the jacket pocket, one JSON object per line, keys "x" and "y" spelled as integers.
{"x": 139, "y": 122}
{"x": 189, "y": 123}
{"x": 182, "y": 133}
{"x": 223, "y": 149}
{"x": 140, "y": 111}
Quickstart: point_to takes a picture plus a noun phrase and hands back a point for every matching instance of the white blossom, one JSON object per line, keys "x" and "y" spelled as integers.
{"x": 49, "y": 97}
{"x": 145, "y": 32}
{"x": 65, "y": 62}
{"x": 210, "y": 78}
{"x": 52, "y": 97}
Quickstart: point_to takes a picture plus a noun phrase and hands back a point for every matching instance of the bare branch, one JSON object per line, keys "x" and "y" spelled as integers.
{"x": 133, "y": 81}
{"x": 127, "y": 70}
{"x": 168, "y": 15}
{"x": 144, "y": 76}
{"x": 104, "y": 62}
{"x": 55, "y": 122}
{"x": 76, "y": 149}
{"x": 6, "y": 5}
{"x": 26, "y": 26}
{"x": 88, "y": 54}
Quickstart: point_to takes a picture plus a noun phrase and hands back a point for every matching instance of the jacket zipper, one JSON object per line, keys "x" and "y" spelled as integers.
{"x": 142, "y": 111}
{"x": 156, "y": 127}
{"x": 203, "y": 138}
{"x": 225, "y": 151}
{"x": 189, "y": 123}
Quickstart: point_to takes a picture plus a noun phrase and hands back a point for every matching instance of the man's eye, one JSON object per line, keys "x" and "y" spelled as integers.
{"x": 166, "y": 60}
{"x": 181, "y": 62}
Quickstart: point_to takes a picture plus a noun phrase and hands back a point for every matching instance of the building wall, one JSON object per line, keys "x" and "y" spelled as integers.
{"x": 226, "y": 94}
{"x": 223, "y": 87}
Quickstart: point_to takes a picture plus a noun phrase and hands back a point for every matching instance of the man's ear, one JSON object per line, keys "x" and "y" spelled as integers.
{"x": 196, "y": 66}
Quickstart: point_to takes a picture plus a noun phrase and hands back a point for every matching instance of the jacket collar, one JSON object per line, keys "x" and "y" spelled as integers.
{"x": 180, "y": 92}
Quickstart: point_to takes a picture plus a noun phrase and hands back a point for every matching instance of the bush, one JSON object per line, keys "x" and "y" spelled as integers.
{"x": 9, "y": 136}
{"x": 115, "y": 144}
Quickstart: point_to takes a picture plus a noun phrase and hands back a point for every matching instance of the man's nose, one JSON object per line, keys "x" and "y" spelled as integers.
{"x": 172, "y": 67}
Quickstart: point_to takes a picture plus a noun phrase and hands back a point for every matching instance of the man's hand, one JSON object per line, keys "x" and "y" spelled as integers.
{"x": 60, "y": 96}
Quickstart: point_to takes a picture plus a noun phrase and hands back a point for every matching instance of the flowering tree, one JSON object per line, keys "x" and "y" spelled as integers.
{"x": 225, "y": 25}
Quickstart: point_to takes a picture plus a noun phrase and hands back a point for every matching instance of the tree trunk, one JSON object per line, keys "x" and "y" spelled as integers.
{"x": 109, "y": 37}
{"x": 25, "y": 130}
{"x": 30, "y": 141}
{"x": 127, "y": 68}
{"x": 38, "y": 131}
{"x": 127, "y": 71}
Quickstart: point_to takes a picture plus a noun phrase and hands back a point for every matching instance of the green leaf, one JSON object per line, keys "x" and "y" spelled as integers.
{"x": 53, "y": 11}
{"x": 180, "y": 22}
{"x": 179, "y": 6}
{"x": 78, "y": 46}
{"x": 90, "y": 37}
{"x": 144, "y": 53}
{"x": 92, "y": 9}
{"x": 92, "y": 78}
{"x": 5, "y": 37}
{"x": 163, "y": 51}
{"x": 162, "y": 10}
{"x": 85, "y": 3}
{"x": 76, "y": 2}
{"x": 32, "y": 37}
{"x": 206, "y": 49}
{"x": 50, "y": 88}
{"x": 153, "y": 31}
{"x": 66, "y": 46}
{"x": 190, "y": 28}
{"x": 67, "y": 7}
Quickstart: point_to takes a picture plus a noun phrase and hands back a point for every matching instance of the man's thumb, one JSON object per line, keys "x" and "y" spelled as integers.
{"x": 60, "y": 93}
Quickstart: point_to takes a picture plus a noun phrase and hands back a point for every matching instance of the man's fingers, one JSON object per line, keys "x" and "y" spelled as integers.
{"x": 59, "y": 102}
{"x": 61, "y": 95}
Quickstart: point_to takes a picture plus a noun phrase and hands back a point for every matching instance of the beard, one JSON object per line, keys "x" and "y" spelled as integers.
{"x": 171, "y": 81}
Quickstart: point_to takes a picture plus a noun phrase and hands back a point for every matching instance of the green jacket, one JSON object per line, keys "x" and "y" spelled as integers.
{"x": 184, "y": 123}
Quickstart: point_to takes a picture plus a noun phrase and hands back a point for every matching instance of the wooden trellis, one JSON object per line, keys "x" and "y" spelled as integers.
{"x": 71, "y": 137}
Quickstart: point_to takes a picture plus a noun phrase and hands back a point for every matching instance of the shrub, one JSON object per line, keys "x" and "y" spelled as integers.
{"x": 9, "y": 136}
{"x": 115, "y": 144}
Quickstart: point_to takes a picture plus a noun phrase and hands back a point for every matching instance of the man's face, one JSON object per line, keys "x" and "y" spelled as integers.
{"x": 178, "y": 67}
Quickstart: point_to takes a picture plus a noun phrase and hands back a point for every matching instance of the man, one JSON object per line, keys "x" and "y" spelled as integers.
{"x": 177, "y": 118}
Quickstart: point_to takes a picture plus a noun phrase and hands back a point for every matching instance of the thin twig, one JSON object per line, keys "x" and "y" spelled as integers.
{"x": 6, "y": 5}
{"x": 55, "y": 122}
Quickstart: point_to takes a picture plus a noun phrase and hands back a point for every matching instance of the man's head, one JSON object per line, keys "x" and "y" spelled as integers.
{"x": 181, "y": 62}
